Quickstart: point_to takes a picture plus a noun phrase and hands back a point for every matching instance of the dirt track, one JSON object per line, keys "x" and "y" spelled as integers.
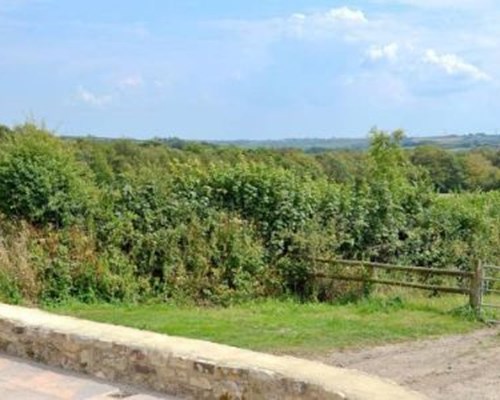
{"x": 465, "y": 367}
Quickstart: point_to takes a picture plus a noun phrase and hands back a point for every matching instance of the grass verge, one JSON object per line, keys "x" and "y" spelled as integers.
{"x": 291, "y": 327}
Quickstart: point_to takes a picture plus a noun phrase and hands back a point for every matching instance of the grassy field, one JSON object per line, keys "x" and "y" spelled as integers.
{"x": 291, "y": 327}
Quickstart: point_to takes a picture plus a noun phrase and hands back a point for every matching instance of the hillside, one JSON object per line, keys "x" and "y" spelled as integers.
{"x": 452, "y": 142}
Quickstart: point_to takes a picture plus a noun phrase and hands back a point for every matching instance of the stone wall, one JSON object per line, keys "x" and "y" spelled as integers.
{"x": 188, "y": 368}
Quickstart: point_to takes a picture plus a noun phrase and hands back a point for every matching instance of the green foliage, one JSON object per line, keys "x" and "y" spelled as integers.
{"x": 5, "y": 132}
{"x": 481, "y": 173}
{"x": 444, "y": 168}
{"x": 131, "y": 221}
{"x": 458, "y": 171}
{"x": 389, "y": 162}
{"x": 343, "y": 166}
{"x": 40, "y": 180}
{"x": 276, "y": 200}
{"x": 9, "y": 292}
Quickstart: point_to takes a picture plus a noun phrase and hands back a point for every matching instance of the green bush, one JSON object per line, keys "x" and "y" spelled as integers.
{"x": 40, "y": 181}
{"x": 277, "y": 201}
{"x": 98, "y": 220}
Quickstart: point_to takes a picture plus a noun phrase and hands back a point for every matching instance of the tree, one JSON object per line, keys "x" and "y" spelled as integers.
{"x": 444, "y": 168}
{"x": 481, "y": 173}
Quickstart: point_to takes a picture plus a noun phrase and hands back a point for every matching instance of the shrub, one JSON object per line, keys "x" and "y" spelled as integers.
{"x": 218, "y": 225}
{"x": 40, "y": 180}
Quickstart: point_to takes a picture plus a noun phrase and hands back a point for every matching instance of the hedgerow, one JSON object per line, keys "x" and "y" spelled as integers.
{"x": 134, "y": 221}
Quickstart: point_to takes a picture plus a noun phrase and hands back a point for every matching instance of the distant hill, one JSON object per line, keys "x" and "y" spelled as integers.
{"x": 318, "y": 145}
{"x": 452, "y": 142}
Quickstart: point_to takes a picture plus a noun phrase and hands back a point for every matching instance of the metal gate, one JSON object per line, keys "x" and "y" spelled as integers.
{"x": 490, "y": 299}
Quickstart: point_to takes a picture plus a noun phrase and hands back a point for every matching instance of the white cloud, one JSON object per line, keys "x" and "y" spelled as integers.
{"x": 393, "y": 43}
{"x": 132, "y": 81}
{"x": 298, "y": 17}
{"x": 93, "y": 99}
{"x": 342, "y": 20}
{"x": 388, "y": 52}
{"x": 454, "y": 65}
{"x": 346, "y": 14}
{"x": 330, "y": 17}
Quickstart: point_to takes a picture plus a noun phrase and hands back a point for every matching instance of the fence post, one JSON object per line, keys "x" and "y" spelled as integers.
{"x": 476, "y": 287}
{"x": 370, "y": 274}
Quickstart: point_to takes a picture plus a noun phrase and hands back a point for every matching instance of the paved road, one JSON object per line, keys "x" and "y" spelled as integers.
{"x": 23, "y": 380}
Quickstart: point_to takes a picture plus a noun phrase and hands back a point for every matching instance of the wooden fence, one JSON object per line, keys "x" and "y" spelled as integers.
{"x": 473, "y": 287}
{"x": 490, "y": 286}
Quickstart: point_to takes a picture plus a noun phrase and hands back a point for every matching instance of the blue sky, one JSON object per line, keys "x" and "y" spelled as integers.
{"x": 232, "y": 69}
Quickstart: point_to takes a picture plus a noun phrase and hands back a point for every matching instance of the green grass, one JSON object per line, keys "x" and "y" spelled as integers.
{"x": 291, "y": 327}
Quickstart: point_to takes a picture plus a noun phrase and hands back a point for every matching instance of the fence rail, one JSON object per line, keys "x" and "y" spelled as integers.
{"x": 393, "y": 283}
{"x": 432, "y": 271}
{"x": 474, "y": 288}
{"x": 480, "y": 281}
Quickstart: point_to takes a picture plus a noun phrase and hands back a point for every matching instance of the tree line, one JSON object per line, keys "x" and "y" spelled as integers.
{"x": 122, "y": 220}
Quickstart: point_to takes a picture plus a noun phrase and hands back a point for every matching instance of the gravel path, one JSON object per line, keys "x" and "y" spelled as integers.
{"x": 461, "y": 367}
